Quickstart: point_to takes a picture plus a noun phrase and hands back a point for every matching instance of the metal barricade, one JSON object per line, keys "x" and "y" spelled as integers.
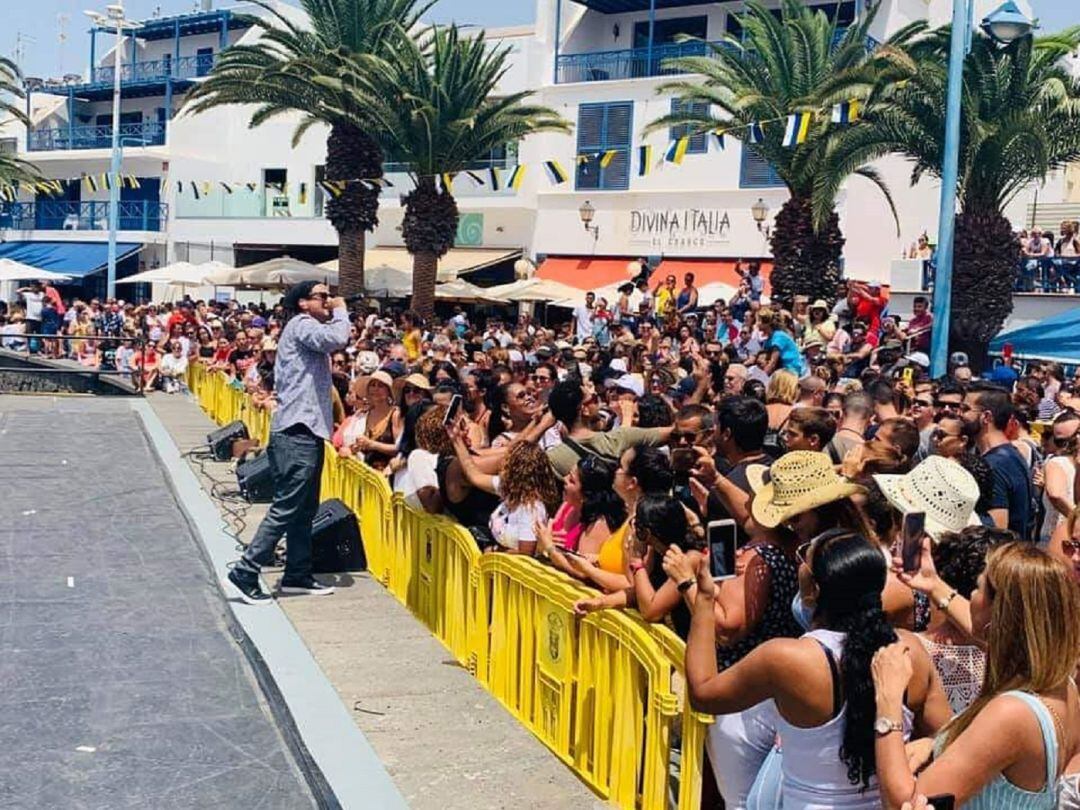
{"x": 605, "y": 692}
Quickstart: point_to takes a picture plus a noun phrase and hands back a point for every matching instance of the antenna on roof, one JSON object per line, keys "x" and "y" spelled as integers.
{"x": 21, "y": 40}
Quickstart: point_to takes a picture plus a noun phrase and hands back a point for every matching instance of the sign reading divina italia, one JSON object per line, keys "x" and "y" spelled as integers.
{"x": 678, "y": 227}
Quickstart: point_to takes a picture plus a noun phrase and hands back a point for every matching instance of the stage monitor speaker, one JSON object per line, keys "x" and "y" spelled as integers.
{"x": 254, "y": 478}
{"x": 335, "y": 540}
{"x": 221, "y": 440}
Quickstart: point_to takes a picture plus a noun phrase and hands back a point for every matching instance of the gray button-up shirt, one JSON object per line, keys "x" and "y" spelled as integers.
{"x": 302, "y": 372}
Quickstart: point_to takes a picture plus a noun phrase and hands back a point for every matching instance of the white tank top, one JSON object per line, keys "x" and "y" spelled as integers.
{"x": 815, "y": 778}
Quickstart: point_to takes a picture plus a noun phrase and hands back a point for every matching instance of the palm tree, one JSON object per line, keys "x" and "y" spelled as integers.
{"x": 799, "y": 62}
{"x": 436, "y": 109}
{"x": 1020, "y": 120}
{"x": 13, "y": 169}
{"x": 279, "y": 74}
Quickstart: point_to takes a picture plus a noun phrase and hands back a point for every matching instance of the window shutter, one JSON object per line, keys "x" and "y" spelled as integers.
{"x": 699, "y": 142}
{"x": 756, "y": 172}
{"x": 603, "y": 127}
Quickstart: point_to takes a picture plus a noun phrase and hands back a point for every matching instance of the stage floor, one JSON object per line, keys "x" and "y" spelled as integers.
{"x": 120, "y": 684}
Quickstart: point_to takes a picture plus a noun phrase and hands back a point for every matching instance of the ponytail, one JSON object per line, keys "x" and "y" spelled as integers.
{"x": 850, "y": 573}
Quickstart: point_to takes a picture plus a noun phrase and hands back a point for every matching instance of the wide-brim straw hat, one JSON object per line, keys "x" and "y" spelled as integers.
{"x": 379, "y": 376}
{"x": 797, "y": 482}
{"x": 415, "y": 380}
{"x": 941, "y": 488}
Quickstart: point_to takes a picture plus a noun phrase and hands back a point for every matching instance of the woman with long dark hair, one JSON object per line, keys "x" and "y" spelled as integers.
{"x": 590, "y": 513}
{"x": 511, "y": 407}
{"x": 819, "y": 684}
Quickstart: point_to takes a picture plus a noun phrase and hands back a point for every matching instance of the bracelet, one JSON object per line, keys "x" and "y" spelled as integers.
{"x": 943, "y": 604}
{"x": 685, "y": 585}
{"x": 636, "y": 565}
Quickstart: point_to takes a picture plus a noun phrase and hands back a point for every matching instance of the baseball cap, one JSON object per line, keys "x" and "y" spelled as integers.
{"x": 632, "y": 383}
{"x": 919, "y": 359}
{"x": 958, "y": 359}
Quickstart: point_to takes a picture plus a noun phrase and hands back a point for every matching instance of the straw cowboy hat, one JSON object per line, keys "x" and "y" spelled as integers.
{"x": 941, "y": 488}
{"x": 797, "y": 482}
{"x": 380, "y": 376}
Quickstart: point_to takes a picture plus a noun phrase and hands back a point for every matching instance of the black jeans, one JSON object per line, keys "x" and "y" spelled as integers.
{"x": 296, "y": 459}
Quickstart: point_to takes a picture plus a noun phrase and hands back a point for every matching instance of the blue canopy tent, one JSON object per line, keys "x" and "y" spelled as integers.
{"x": 1056, "y": 338}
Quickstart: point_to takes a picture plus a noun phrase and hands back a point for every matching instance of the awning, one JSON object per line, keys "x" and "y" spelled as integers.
{"x": 1055, "y": 338}
{"x": 585, "y": 273}
{"x": 75, "y": 259}
{"x": 707, "y": 271}
{"x": 457, "y": 262}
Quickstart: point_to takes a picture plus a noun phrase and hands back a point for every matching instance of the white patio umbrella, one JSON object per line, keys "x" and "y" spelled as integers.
{"x": 715, "y": 291}
{"x": 533, "y": 289}
{"x": 220, "y": 274}
{"x": 11, "y": 270}
{"x": 463, "y": 291}
{"x": 183, "y": 274}
{"x": 284, "y": 271}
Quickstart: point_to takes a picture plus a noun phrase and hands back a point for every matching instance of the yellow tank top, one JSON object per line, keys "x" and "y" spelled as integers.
{"x": 610, "y": 558}
{"x": 411, "y": 341}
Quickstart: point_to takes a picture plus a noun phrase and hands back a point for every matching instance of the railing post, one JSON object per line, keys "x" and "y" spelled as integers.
{"x": 557, "y": 38}
{"x": 652, "y": 29}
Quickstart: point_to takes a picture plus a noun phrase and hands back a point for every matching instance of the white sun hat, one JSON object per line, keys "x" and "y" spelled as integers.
{"x": 941, "y": 488}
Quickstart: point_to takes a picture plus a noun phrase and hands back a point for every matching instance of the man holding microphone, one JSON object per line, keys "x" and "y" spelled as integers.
{"x": 318, "y": 325}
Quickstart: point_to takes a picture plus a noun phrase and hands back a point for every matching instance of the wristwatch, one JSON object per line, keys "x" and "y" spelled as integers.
{"x": 943, "y": 603}
{"x": 685, "y": 585}
{"x": 884, "y": 726}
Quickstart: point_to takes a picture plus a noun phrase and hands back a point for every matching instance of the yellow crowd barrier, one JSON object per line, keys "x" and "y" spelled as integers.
{"x": 606, "y": 693}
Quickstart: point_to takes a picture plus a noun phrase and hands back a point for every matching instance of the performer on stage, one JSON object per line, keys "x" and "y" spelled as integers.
{"x": 302, "y": 423}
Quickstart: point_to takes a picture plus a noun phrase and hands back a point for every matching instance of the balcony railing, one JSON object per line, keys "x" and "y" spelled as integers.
{"x": 152, "y": 133}
{"x": 156, "y": 70}
{"x": 631, "y": 63}
{"x": 1048, "y": 274}
{"x": 61, "y": 215}
{"x": 639, "y": 63}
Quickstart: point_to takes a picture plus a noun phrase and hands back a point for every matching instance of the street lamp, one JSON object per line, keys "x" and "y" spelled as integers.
{"x": 113, "y": 18}
{"x": 760, "y": 211}
{"x": 1004, "y": 25}
{"x": 587, "y": 212}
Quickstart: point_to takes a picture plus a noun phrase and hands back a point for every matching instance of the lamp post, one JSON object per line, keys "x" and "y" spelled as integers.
{"x": 1004, "y": 25}
{"x": 587, "y": 212}
{"x": 114, "y": 18}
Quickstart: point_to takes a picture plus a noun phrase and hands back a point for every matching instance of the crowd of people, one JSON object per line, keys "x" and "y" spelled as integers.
{"x": 841, "y": 673}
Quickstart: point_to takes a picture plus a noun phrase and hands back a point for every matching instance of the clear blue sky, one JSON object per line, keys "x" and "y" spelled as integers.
{"x": 43, "y": 54}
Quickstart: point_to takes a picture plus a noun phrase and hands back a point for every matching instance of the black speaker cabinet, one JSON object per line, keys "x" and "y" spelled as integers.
{"x": 221, "y": 440}
{"x": 335, "y": 540}
{"x": 254, "y": 478}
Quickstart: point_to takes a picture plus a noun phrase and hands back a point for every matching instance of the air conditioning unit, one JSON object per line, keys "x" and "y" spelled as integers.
{"x": 33, "y": 83}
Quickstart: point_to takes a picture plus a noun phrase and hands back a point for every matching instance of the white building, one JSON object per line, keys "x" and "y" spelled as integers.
{"x": 210, "y": 187}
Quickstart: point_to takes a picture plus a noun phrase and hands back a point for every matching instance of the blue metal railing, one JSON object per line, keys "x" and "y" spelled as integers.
{"x": 637, "y": 63}
{"x": 156, "y": 70}
{"x": 1045, "y": 275}
{"x": 62, "y": 215}
{"x": 152, "y": 133}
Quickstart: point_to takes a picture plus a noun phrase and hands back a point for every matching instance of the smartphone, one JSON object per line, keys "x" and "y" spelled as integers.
{"x": 683, "y": 459}
{"x": 943, "y": 801}
{"x": 452, "y": 410}
{"x": 721, "y": 536}
{"x": 569, "y": 551}
{"x": 909, "y": 376}
{"x": 911, "y": 535}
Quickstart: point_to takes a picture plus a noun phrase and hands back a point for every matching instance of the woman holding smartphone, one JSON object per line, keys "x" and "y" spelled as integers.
{"x": 1009, "y": 747}
{"x": 818, "y": 686}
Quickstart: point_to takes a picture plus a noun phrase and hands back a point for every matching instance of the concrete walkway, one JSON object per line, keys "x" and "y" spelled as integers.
{"x": 445, "y": 742}
{"x": 122, "y": 685}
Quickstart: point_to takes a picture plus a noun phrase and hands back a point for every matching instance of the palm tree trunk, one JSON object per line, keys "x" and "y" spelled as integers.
{"x": 425, "y": 270}
{"x": 428, "y": 229}
{"x": 986, "y": 262}
{"x": 352, "y": 155}
{"x": 350, "y": 262}
{"x": 805, "y": 261}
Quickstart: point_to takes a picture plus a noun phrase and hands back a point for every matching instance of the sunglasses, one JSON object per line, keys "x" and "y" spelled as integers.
{"x": 923, "y": 403}
{"x": 937, "y": 434}
{"x": 1064, "y": 441}
{"x": 322, "y": 295}
{"x": 540, "y": 378}
{"x": 1070, "y": 547}
{"x": 690, "y": 436}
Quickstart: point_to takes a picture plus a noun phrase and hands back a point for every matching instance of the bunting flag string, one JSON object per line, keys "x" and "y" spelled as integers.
{"x": 555, "y": 172}
{"x": 846, "y": 112}
{"x": 645, "y": 159}
{"x": 797, "y": 128}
